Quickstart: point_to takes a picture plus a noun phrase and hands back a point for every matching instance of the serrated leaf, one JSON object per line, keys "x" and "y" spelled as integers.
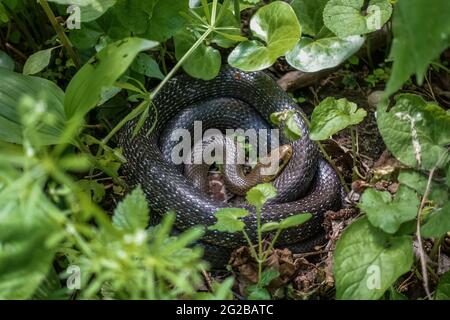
{"x": 37, "y": 62}
{"x": 332, "y": 115}
{"x": 260, "y": 194}
{"x": 277, "y": 28}
{"x": 421, "y": 33}
{"x": 346, "y": 18}
{"x": 416, "y": 132}
{"x": 367, "y": 261}
{"x": 228, "y": 220}
{"x": 389, "y": 212}
{"x": 314, "y": 55}
{"x": 132, "y": 214}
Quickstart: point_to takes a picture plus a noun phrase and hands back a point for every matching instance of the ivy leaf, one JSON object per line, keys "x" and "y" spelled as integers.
{"x": 367, "y": 261}
{"x": 314, "y": 55}
{"x": 277, "y": 27}
{"x": 438, "y": 223}
{"x": 132, "y": 214}
{"x": 332, "y": 115}
{"x": 421, "y": 33}
{"x": 37, "y": 62}
{"x": 146, "y": 65}
{"x": 345, "y": 17}
{"x": 228, "y": 220}
{"x": 102, "y": 71}
{"x": 443, "y": 288}
{"x": 204, "y": 63}
{"x": 6, "y": 61}
{"x": 387, "y": 212}
{"x": 310, "y": 15}
{"x": 166, "y": 20}
{"x": 260, "y": 194}
{"x": 416, "y": 132}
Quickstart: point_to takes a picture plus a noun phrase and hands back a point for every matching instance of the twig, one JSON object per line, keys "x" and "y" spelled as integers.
{"x": 208, "y": 280}
{"x": 422, "y": 254}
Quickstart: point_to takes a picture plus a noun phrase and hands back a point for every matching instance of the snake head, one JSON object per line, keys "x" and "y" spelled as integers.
{"x": 274, "y": 163}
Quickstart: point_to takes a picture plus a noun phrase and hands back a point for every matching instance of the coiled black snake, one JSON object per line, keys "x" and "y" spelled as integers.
{"x": 233, "y": 99}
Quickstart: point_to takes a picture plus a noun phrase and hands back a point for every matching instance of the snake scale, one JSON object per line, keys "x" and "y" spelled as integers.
{"x": 233, "y": 99}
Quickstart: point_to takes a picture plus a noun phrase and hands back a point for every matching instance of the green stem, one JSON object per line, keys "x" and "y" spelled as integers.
{"x": 260, "y": 244}
{"x": 250, "y": 245}
{"x": 60, "y": 32}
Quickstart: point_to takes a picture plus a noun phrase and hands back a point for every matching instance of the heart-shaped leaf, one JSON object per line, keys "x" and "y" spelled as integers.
{"x": 228, "y": 220}
{"x": 277, "y": 27}
{"x": 347, "y": 18}
{"x": 367, "y": 261}
{"x": 260, "y": 194}
{"x": 332, "y": 115}
{"x": 314, "y": 55}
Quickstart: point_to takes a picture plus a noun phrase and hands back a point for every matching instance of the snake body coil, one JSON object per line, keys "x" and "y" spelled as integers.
{"x": 234, "y": 99}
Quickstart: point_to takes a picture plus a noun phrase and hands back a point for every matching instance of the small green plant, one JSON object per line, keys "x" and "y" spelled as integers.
{"x": 229, "y": 220}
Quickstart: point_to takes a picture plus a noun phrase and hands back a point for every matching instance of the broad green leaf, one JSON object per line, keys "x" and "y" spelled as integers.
{"x": 368, "y": 261}
{"x": 204, "y": 63}
{"x": 277, "y": 27}
{"x": 135, "y": 15}
{"x": 294, "y": 221}
{"x": 314, "y": 55}
{"x": 6, "y": 61}
{"x": 37, "y": 62}
{"x": 86, "y": 37}
{"x": 421, "y": 32}
{"x": 102, "y": 71}
{"x": 260, "y": 194}
{"x": 346, "y": 18}
{"x": 331, "y": 116}
{"x": 94, "y": 11}
{"x": 310, "y": 15}
{"x": 443, "y": 288}
{"x": 47, "y": 101}
{"x": 270, "y": 226}
{"x": 146, "y": 65}
{"x": 417, "y": 181}
{"x": 132, "y": 214}
{"x": 416, "y": 132}
{"x": 166, "y": 20}
{"x": 387, "y": 212}
{"x": 438, "y": 223}
{"x": 228, "y": 220}
{"x": 257, "y": 293}
{"x": 268, "y": 276}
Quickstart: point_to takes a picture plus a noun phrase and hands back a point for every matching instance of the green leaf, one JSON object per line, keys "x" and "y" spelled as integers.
{"x": 204, "y": 63}
{"x": 6, "y": 61}
{"x": 387, "y": 212}
{"x": 37, "y": 62}
{"x": 270, "y": 226}
{"x": 86, "y": 37}
{"x": 166, "y": 20}
{"x": 146, "y": 65}
{"x": 331, "y": 116}
{"x": 134, "y": 15}
{"x": 277, "y": 26}
{"x": 228, "y": 220}
{"x": 268, "y": 276}
{"x": 310, "y": 15}
{"x": 257, "y": 293}
{"x": 132, "y": 214}
{"x": 294, "y": 221}
{"x": 438, "y": 223}
{"x": 46, "y": 101}
{"x": 416, "y": 132}
{"x": 345, "y": 17}
{"x": 417, "y": 181}
{"x": 421, "y": 33}
{"x": 291, "y": 130}
{"x": 314, "y": 55}
{"x": 443, "y": 288}
{"x": 3, "y": 14}
{"x": 96, "y": 10}
{"x": 368, "y": 261}
{"x": 93, "y": 188}
{"x": 260, "y": 194}
{"x": 102, "y": 71}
